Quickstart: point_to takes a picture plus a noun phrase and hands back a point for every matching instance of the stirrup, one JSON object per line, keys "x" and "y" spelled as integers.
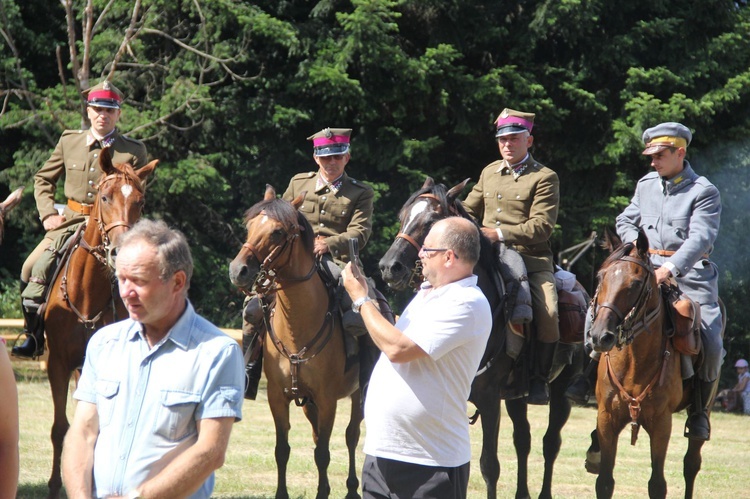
{"x": 17, "y": 350}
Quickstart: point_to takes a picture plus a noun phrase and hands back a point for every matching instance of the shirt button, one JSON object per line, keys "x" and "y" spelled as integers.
{"x": 322, "y": 212}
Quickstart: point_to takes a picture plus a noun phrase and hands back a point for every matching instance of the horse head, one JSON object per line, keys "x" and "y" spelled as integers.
{"x": 400, "y": 266}
{"x": 120, "y": 199}
{"x": 270, "y": 252}
{"x": 627, "y": 297}
{"x": 12, "y": 200}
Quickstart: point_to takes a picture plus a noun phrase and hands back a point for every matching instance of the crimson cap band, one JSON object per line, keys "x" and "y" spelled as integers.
{"x": 665, "y": 135}
{"x": 104, "y": 95}
{"x": 331, "y": 141}
{"x": 511, "y": 121}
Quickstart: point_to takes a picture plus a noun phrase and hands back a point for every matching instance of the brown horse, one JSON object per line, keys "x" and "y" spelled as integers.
{"x": 400, "y": 268}
{"x": 639, "y": 382}
{"x": 304, "y": 357}
{"x": 84, "y": 297}
{"x": 12, "y": 200}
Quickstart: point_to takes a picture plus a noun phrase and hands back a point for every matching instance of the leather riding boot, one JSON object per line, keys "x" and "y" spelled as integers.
{"x": 253, "y": 346}
{"x": 698, "y": 426}
{"x": 580, "y": 388}
{"x": 539, "y": 382}
{"x": 33, "y": 346}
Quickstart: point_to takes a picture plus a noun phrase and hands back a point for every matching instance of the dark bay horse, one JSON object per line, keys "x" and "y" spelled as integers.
{"x": 639, "y": 382}
{"x": 400, "y": 268}
{"x": 304, "y": 357}
{"x": 84, "y": 297}
{"x": 12, "y": 200}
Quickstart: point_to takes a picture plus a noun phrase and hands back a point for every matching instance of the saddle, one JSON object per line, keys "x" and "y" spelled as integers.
{"x": 684, "y": 316}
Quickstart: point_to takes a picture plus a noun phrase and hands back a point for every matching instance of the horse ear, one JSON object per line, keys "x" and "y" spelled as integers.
{"x": 12, "y": 200}
{"x": 297, "y": 202}
{"x": 642, "y": 244}
{"x": 147, "y": 170}
{"x": 428, "y": 183}
{"x": 105, "y": 161}
{"x": 611, "y": 240}
{"x": 457, "y": 189}
{"x": 270, "y": 193}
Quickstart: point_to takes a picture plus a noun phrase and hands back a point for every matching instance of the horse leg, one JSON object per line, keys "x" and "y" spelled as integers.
{"x": 280, "y": 412}
{"x": 659, "y": 435}
{"x": 353, "y": 431}
{"x": 607, "y": 436}
{"x": 59, "y": 378}
{"x": 487, "y": 403}
{"x": 692, "y": 465}
{"x": 518, "y": 412}
{"x": 323, "y": 414}
{"x": 559, "y": 411}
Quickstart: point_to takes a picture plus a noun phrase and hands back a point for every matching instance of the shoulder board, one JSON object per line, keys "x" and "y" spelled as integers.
{"x": 495, "y": 165}
{"x": 359, "y": 183}
{"x": 129, "y": 139}
{"x": 73, "y": 132}
{"x": 649, "y": 177}
{"x": 304, "y": 176}
{"x": 701, "y": 180}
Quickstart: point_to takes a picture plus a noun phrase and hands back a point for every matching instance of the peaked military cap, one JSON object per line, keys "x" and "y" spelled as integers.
{"x": 511, "y": 121}
{"x": 104, "y": 94}
{"x": 666, "y": 135}
{"x": 331, "y": 141}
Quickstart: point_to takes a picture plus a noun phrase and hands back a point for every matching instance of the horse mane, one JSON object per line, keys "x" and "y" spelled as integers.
{"x": 283, "y": 211}
{"x": 487, "y": 258}
{"x": 127, "y": 170}
{"x": 617, "y": 253}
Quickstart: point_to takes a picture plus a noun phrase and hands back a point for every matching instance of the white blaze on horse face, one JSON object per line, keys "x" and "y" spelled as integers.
{"x": 618, "y": 272}
{"x": 264, "y": 219}
{"x": 126, "y": 190}
{"x": 415, "y": 210}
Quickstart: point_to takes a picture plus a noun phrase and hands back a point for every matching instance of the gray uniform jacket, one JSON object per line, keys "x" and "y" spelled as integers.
{"x": 680, "y": 215}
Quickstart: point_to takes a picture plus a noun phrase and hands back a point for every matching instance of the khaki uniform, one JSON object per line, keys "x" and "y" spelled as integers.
{"x": 80, "y": 165}
{"x": 338, "y": 216}
{"x": 525, "y": 210}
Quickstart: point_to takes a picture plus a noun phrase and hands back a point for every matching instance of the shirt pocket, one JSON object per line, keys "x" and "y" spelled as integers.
{"x": 75, "y": 170}
{"x": 106, "y": 396}
{"x": 649, "y": 222}
{"x": 176, "y": 417}
{"x": 340, "y": 211}
{"x": 681, "y": 227}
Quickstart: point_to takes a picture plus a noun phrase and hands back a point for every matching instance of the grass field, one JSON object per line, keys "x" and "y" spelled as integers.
{"x": 250, "y": 470}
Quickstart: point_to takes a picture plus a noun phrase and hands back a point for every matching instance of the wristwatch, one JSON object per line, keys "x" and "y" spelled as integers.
{"x": 358, "y": 303}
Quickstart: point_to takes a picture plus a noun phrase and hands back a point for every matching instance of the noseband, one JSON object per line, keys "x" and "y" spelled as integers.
{"x": 637, "y": 319}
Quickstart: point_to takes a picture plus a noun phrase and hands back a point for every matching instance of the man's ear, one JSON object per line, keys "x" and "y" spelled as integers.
{"x": 180, "y": 280}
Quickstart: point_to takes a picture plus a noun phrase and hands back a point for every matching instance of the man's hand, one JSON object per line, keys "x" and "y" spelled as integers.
{"x": 321, "y": 247}
{"x": 490, "y": 234}
{"x": 662, "y": 274}
{"x": 53, "y": 222}
{"x": 354, "y": 282}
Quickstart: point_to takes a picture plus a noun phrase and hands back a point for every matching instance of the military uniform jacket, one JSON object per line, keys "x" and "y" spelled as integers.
{"x": 524, "y": 208}
{"x": 80, "y": 164}
{"x": 681, "y": 215}
{"x": 336, "y": 216}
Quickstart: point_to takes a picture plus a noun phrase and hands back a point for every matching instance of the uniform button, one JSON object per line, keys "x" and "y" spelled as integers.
{"x": 322, "y": 224}
{"x": 486, "y": 193}
{"x": 74, "y": 165}
{"x": 322, "y": 212}
{"x": 92, "y": 169}
{"x": 518, "y": 196}
{"x": 322, "y": 198}
{"x": 343, "y": 213}
{"x": 91, "y": 182}
{"x": 497, "y": 222}
{"x": 499, "y": 210}
{"x": 499, "y": 196}
{"x": 89, "y": 194}
{"x": 327, "y": 190}
{"x": 95, "y": 155}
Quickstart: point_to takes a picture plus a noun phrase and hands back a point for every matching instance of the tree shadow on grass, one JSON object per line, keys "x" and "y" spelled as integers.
{"x": 35, "y": 491}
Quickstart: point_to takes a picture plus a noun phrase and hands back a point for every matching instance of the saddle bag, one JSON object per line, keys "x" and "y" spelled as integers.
{"x": 686, "y": 320}
{"x": 571, "y": 312}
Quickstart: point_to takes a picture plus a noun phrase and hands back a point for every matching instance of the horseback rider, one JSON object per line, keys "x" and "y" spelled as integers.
{"x": 679, "y": 211}
{"x": 76, "y": 157}
{"x": 339, "y": 208}
{"x": 517, "y": 199}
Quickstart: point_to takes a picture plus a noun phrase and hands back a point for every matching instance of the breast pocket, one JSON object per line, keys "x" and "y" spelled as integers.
{"x": 341, "y": 211}
{"x": 75, "y": 171}
{"x": 176, "y": 418}
{"x": 681, "y": 227}
{"x": 106, "y": 396}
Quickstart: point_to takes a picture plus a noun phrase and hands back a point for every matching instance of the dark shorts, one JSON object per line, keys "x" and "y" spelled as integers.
{"x": 389, "y": 479}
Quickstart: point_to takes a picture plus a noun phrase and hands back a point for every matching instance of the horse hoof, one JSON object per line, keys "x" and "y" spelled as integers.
{"x": 593, "y": 459}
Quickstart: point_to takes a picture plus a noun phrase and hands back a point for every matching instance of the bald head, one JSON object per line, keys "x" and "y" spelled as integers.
{"x": 460, "y": 235}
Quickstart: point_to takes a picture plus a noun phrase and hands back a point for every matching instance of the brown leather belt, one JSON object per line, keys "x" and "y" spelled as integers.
{"x": 662, "y": 252}
{"x": 83, "y": 209}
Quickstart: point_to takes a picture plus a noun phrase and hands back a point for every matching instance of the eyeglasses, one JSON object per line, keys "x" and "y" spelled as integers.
{"x": 430, "y": 251}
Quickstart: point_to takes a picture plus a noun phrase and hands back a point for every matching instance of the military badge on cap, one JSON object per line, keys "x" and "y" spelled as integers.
{"x": 331, "y": 141}
{"x": 666, "y": 135}
{"x": 105, "y": 94}
{"x": 511, "y": 121}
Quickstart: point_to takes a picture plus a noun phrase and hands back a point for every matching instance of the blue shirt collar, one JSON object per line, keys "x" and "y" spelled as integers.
{"x": 179, "y": 334}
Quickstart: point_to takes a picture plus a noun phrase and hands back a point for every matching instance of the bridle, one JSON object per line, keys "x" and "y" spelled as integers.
{"x": 638, "y": 318}
{"x": 415, "y": 277}
{"x": 268, "y": 280}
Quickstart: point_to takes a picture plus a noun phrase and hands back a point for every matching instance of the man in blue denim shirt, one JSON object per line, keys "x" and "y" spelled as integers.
{"x": 159, "y": 391}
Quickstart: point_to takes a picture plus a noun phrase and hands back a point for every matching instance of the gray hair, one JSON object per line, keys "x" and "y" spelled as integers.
{"x": 461, "y": 236}
{"x": 172, "y": 249}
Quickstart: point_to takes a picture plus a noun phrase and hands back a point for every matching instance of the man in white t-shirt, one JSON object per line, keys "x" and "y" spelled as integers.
{"x": 417, "y": 442}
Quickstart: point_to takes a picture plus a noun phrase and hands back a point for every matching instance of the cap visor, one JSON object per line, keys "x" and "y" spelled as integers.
{"x": 331, "y": 150}
{"x": 110, "y": 104}
{"x": 654, "y": 149}
{"x": 510, "y": 130}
